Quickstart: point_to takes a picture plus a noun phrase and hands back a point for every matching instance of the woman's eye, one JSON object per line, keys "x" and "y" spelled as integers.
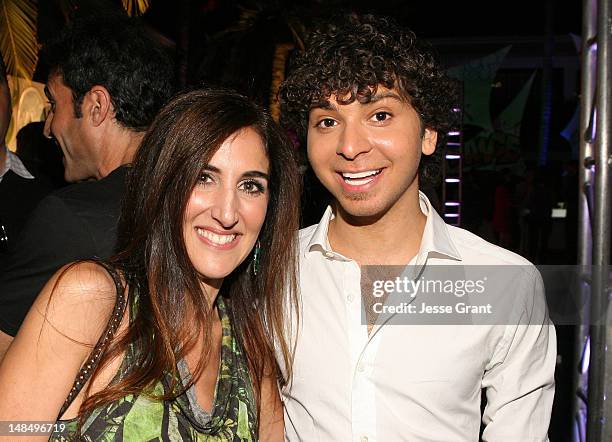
{"x": 252, "y": 187}
{"x": 326, "y": 122}
{"x": 205, "y": 178}
{"x": 381, "y": 116}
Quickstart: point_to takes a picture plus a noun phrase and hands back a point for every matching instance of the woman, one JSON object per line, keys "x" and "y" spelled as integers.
{"x": 183, "y": 320}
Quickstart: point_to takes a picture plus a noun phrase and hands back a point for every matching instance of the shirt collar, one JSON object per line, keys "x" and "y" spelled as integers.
{"x": 436, "y": 240}
{"x": 319, "y": 240}
{"x": 15, "y": 164}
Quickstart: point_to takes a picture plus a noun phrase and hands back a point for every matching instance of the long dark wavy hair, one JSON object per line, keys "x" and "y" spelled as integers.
{"x": 152, "y": 255}
{"x": 349, "y": 56}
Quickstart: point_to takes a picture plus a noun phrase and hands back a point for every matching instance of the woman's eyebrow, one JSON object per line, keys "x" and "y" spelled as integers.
{"x": 248, "y": 174}
{"x": 211, "y": 168}
{"x": 255, "y": 174}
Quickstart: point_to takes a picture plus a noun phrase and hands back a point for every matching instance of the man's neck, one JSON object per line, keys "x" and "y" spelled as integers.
{"x": 121, "y": 149}
{"x": 392, "y": 239}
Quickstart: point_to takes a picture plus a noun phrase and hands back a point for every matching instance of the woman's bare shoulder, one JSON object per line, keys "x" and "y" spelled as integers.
{"x": 78, "y": 300}
{"x": 56, "y": 337}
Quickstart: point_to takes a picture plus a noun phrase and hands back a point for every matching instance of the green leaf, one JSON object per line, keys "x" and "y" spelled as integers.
{"x": 135, "y": 7}
{"x": 18, "y": 37}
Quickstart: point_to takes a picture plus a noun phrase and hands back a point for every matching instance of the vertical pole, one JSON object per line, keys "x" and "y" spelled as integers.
{"x": 585, "y": 179}
{"x": 599, "y": 422}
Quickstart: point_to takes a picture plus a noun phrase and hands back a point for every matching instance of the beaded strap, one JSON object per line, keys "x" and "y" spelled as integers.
{"x": 94, "y": 357}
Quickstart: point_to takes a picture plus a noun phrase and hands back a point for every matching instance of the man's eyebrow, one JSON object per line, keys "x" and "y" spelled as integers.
{"x": 325, "y": 105}
{"x": 377, "y": 97}
{"x": 48, "y": 93}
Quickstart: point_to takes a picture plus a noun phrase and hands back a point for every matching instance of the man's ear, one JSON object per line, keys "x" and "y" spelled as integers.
{"x": 97, "y": 105}
{"x": 428, "y": 143}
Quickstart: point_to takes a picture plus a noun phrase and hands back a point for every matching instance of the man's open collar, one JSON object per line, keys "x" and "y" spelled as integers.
{"x": 319, "y": 240}
{"x": 435, "y": 242}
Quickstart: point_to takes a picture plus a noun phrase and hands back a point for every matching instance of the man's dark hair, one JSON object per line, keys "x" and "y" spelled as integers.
{"x": 117, "y": 53}
{"x": 350, "y": 56}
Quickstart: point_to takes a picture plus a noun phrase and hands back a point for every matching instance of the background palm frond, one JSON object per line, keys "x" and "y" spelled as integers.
{"x": 135, "y": 7}
{"x": 67, "y": 8}
{"x": 18, "y": 37}
{"x": 246, "y": 20}
{"x": 279, "y": 63}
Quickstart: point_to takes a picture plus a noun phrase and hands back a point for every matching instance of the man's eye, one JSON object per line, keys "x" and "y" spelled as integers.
{"x": 381, "y": 116}
{"x": 327, "y": 122}
{"x": 252, "y": 187}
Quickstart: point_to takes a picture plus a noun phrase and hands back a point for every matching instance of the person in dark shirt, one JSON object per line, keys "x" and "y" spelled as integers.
{"x": 20, "y": 187}
{"x": 107, "y": 80}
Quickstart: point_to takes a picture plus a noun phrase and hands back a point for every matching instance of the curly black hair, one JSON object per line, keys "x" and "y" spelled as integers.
{"x": 118, "y": 53}
{"x": 350, "y": 56}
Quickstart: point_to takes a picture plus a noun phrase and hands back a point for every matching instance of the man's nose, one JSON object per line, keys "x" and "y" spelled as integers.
{"x": 353, "y": 142}
{"x": 47, "y": 128}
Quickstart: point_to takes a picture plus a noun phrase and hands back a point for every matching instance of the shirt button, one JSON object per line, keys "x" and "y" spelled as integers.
{"x": 361, "y": 369}
{"x": 364, "y": 438}
{"x": 329, "y": 254}
{"x": 349, "y": 298}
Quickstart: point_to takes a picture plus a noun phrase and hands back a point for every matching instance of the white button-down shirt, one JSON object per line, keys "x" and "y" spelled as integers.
{"x": 15, "y": 164}
{"x": 414, "y": 382}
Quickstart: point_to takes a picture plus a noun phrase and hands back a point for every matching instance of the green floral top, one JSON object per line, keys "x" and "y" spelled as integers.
{"x": 138, "y": 418}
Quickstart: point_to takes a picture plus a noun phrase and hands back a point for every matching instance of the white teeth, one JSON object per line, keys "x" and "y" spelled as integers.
{"x": 217, "y": 239}
{"x": 360, "y": 182}
{"x": 360, "y": 178}
{"x": 357, "y": 175}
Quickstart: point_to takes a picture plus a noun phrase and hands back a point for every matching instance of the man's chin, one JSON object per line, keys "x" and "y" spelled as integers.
{"x": 360, "y": 211}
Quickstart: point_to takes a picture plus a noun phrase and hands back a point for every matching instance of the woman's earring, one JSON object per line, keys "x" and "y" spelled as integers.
{"x": 256, "y": 254}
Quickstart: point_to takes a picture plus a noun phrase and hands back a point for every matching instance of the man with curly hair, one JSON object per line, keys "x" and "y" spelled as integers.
{"x": 374, "y": 107}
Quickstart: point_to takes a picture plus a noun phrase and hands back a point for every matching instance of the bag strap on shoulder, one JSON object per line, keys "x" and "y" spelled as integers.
{"x": 94, "y": 358}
